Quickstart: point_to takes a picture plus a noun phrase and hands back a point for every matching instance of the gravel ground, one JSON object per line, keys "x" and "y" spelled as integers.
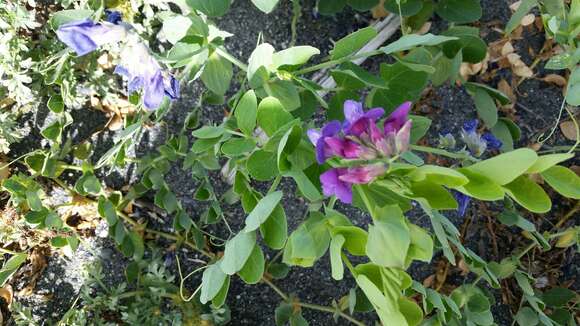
{"x": 254, "y": 305}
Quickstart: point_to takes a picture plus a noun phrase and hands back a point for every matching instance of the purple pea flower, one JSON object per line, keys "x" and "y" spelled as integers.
{"x": 360, "y": 138}
{"x": 333, "y": 185}
{"x": 463, "y": 201}
{"x": 357, "y": 120}
{"x": 476, "y": 143}
{"x": 113, "y": 16}
{"x": 339, "y": 181}
{"x": 491, "y": 141}
{"x": 318, "y": 138}
{"x": 85, "y": 36}
{"x": 141, "y": 69}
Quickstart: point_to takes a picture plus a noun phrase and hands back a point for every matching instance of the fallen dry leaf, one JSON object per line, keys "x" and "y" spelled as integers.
{"x": 38, "y": 262}
{"x": 555, "y": 79}
{"x": 428, "y": 282}
{"x": 507, "y": 48}
{"x": 504, "y": 87}
{"x": 569, "y": 130}
{"x": 463, "y": 267}
{"x": 514, "y": 6}
{"x": 379, "y": 10}
{"x": 528, "y": 20}
{"x": 4, "y": 170}
{"x": 7, "y": 294}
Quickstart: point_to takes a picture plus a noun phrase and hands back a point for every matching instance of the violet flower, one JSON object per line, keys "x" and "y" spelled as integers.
{"x": 85, "y": 36}
{"x": 476, "y": 143}
{"x": 359, "y": 138}
{"x": 141, "y": 69}
{"x": 463, "y": 201}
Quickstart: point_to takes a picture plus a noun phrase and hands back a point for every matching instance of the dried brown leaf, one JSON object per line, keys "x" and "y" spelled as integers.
{"x": 514, "y": 6}
{"x": 7, "y": 294}
{"x": 555, "y": 79}
{"x": 424, "y": 29}
{"x": 569, "y": 130}
{"x": 428, "y": 282}
{"x": 4, "y": 170}
{"x": 379, "y": 10}
{"x": 528, "y": 20}
{"x": 507, "y": 48}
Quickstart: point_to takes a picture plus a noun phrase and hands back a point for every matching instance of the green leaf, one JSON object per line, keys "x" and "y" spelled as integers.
{"x": 265, "y": 5}
{"x": 246, "y": 112}
{"x": 271, "y": 115}
{"x": 33, "y": 200}
{"x": 207, "y": 132}
{"x": 286, "y": 92}
{"x": 527, "y": 317}
{"x": 212, "y": 8}
{"x": 486, "y": 108}
{"x": 573, "y": 91}
{"x": 352, "y": 43}
{"x": 496, "y": 94}
{"x": 502, "y": 131}
{"x": 351, "y": 76}
{"x": 68, "y": 16}
{"x": 238, "y": 146}
{"x": 262, "y": 165}
{"x": 439, "y": 175}
{"x": 275, "y": 229}
{"x": 545, "y": 162}
{"x": 253, "y": 269}
{"x": 410, "y": 41}
{"x": 558, "y": 297}
{"x": 436, "y": 196}
{"x": 138, "y": 245}
{"x": 563, "y": 180}
{"x": 305, "y": 185}
{"x": 388, "y": 242}
{"x": 419, "y": 128}
{"x": 217, "y": 73}
{"x": 412, "y": 312}
{"x": 355, "y": 239}
{"x": 294, "y": 56}
{"x": 330, "y": 7}
{"x": 308, "y": 242}
{"x": 238, "y": 250}
{"x": 480, "y": 186}
{"x": 516, "y": 19}
{"x": 421, "y": 247}
{"x": 336, "y": 265}
{"x": 283, "y": 313}
{"x": 528, "y": 194}
{"x": 52, "y": 132}
{"x": 262, "y": 211}
{"x": 211, "y": 282}
{"x": 259, "y": 65}
{"x": 11, "y": 266}
{"x": 459, "y": 11}
{"x": 362, "y": 5}
{"x": 506, "y": 167}
{"x": 221, "y": 296}
{"x": 175, "y": 28}
{"x": 56, "y": 104}
{"x": 472, "y": 47}
{"x": 408, "y": 8}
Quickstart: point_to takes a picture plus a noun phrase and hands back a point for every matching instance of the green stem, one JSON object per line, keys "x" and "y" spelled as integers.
{"x": 443, "y": 152}
{"x": 275, "y": 184}
{"x": 331, "y": 310}
{"x": 224, "y": 54}
{"x": 331, "y": 63}
{"x": 525, "y": 251}
{"x": 8, "y": 251}
{"x": 365, "y": 200}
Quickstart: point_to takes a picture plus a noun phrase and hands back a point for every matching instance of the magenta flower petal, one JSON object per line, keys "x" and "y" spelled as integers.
{"x": 403, "y": 137}
{"x": 363, "y": 174}
{"x": 332, "y": 185}
{"x": 397, "y": 119}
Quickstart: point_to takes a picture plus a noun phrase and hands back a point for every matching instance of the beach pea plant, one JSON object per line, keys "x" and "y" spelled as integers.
{"x": 338, "y": 147}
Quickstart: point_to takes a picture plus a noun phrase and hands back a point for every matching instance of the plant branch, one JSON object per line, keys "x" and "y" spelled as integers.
{"x": 443, "y": 152}
{"x": 224, "y": 54}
